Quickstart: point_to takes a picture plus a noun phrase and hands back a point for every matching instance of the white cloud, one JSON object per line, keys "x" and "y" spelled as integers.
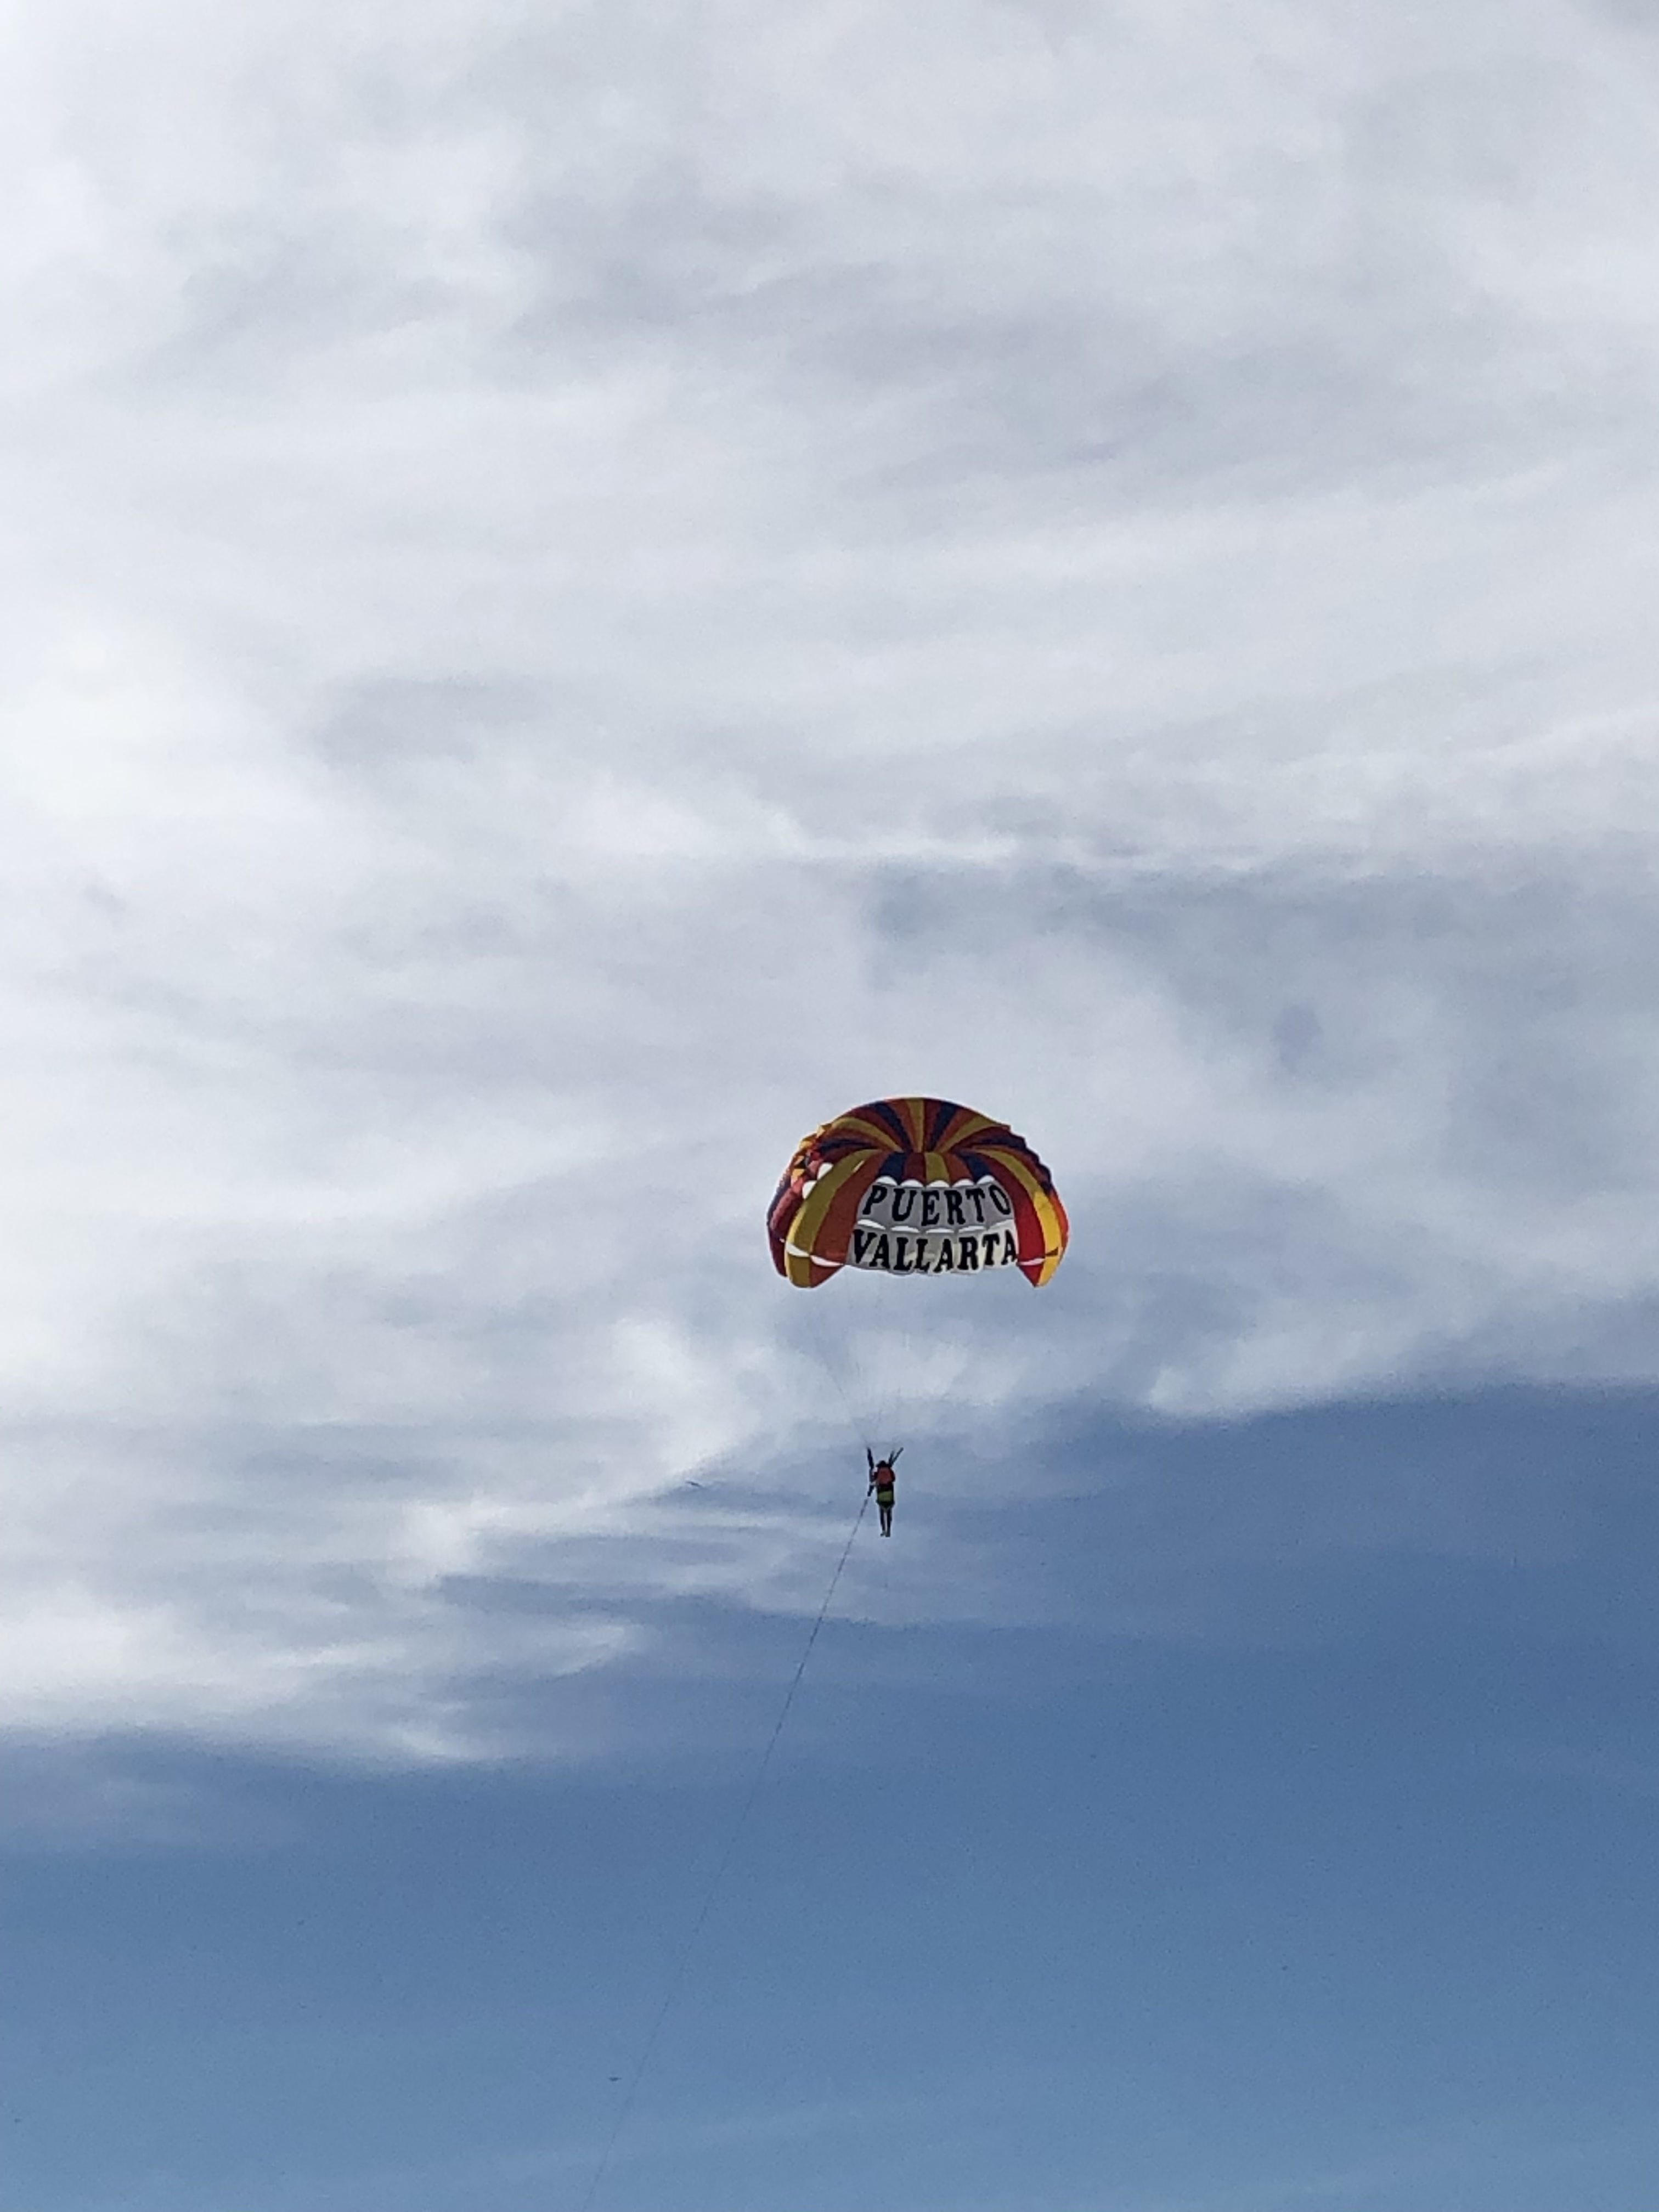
{"x": 589, "y": 590}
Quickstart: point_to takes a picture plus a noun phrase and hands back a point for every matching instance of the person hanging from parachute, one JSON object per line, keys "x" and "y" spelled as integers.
{"x": 914, "y": 1186}
{"x": 881, "y": 1482}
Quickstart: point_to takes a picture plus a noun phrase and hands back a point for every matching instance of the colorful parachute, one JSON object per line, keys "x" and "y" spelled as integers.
{"x": 915, "y": 1187}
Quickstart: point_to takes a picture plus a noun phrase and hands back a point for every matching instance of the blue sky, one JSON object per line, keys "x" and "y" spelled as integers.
{"x": 593, "y": 586}
{"x": 1337, "y": 1892}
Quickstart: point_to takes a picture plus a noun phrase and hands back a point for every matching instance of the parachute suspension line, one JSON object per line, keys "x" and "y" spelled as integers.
{"x": 677, "y": 1978}
{"x": 857, "y": 1427}
{"x": 817, "y": 1335}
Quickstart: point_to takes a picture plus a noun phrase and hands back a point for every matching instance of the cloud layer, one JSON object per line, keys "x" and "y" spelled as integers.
{"x": 600, "y": 588}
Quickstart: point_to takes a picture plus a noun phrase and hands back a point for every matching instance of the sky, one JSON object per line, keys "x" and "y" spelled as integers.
{"x": 590, "y": 587}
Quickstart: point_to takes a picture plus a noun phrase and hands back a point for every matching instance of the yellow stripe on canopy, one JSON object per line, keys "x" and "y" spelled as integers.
{"x": 1053, "y": 1238}
{"x": 803, "y": 1228}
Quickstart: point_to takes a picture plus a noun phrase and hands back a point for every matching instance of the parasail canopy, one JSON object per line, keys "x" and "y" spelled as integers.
{"x": 915, "y": 1187}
